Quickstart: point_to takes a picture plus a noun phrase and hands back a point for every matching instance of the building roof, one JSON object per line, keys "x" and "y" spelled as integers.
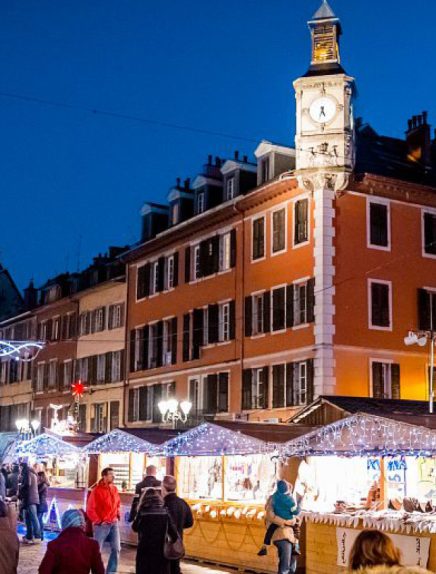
{"x": 324, "y": 12}
{"x": 275, "y": 433}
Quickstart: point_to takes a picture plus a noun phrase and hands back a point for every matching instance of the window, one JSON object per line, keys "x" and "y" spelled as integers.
{"x": 378, "y": 224}
{"x": 114, "y": 421}
{"x": 85, "y": 324}
{"x": 153, "y": 346}
{"x": 40, "y": 377}
{"x": 116, "y": 366}
{"x": 116, "y": 316}
{"x": 169, "y": 275}
{"x": 169, "y": 340}
{"x": 68, "y": 374}
{"x": 278, "y": 383}
{"x": 205, "y": 326}
{"x": 385, "y": 380}
{"x": 142, "y": 281}
{"x": 56, "y": 329}
{"x": 258, "y": 389}
{"x": 224, "y": 322}
{"x": 426, "y": 310}
{"x": 301, "y": 224}
{"x": 101, "y": 368}
{"x": 278, "y": 309}
{"x": 230, "y": 188}
{"x": 196, "y": 263}
{"x": 257, "y": 327}
{"x": 279, "y": 230}
{"x": 300, "y": 304}
{"x": 265, "y": 170}
{"x": 258, "y": 247}
{"x": 195, "y": 395}
{"x": 99, "y": 322}
{"x": 429, "y": 222}
{"x": 99, "y": 421}
{"x": 83, "y": 369}
{"x": 216, "y": 393}
{"x": 380, "y": 305}
{"x": 200, "y": 202}
{"x": 43, "y": 330}
{"x": 225, "y": 251}
{"x": 300, "y": 383}
{"x": 52, "y": 374}
{"x": 154, "y": 285}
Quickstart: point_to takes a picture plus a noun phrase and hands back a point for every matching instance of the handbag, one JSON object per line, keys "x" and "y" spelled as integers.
{"x": 173, "y": 550}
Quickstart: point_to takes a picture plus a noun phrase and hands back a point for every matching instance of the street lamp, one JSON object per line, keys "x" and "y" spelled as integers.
{"x": 421, "y": 338}
{"x": 27, "y": 428}
{"x": 173, "y": 411}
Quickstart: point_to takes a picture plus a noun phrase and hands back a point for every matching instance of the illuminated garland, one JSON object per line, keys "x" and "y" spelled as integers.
{"x": 212, "y": 440}
{"x": 25, "y": 351}
{"x": 119, "y": 441}
{"x": 364, "y": 435}
{"x": 45, "y": 445}
{"x": 53, "y": 509}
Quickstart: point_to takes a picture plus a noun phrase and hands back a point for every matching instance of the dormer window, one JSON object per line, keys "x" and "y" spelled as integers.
{"x": 200, "y": 202}
{"x": 265, "y": 170}
{"x": 230, "y": 188}
{"x": 175, "y": 214}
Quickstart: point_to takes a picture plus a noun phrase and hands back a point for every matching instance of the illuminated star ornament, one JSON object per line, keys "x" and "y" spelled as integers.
{"x": 78, "y": 389}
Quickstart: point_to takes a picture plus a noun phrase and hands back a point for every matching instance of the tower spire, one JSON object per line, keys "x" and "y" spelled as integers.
{"x": 325, "y": 29}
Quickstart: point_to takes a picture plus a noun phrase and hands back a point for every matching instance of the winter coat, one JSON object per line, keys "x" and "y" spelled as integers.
{"x": 12, "y": 484}
{"x": 42, "y": 492}
{"x": 180, "y": 512}
{"x": 72, "y": 551}
{"x": 29, "y": 488}
{"x": 392, "y": 570}
{"x": 283, "y": 504}
{"x": 103, "y": 503}
{"x": 148, "y": 482}
{"x": 9, "y": 547}
{"x": 151, "y": 524}
{"x": 2, "y": 486}
{"x": 284, "y": 530}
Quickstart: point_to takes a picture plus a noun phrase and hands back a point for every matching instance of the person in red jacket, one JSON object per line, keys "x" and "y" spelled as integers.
{"x": 72, "y": 551}
{"x": 103, "y": 509}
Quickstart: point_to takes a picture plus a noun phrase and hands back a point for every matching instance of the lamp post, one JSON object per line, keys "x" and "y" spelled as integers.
{"x": 173, "y": 411}
{"x": 27, "y": 428}
{"x": 421, "y": 338}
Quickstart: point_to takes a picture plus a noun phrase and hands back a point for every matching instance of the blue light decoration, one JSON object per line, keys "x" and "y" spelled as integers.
{"x": 45, "y": 445}
{"x": 52, "y": 517}
{"x": 212, "y": 440}
{"x": 364, "y": 435}
{"x": 119, "y": 441}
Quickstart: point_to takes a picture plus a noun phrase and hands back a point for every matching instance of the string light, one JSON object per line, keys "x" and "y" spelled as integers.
{"x": 45, "y": 445}
{"x": 119, "y": 441}
{"x": 24, "y": 351}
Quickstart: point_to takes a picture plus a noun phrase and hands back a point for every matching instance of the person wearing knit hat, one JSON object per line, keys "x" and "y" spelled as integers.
{"x": 72, "y": 551}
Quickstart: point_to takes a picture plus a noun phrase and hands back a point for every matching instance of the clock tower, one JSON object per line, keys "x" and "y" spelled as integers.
{"x": 324, "y": 136}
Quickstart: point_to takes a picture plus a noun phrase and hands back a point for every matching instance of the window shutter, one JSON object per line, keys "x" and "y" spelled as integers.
{"x": 213, "y": 324}
{"x": 143, "y": 399}
{"x": 176, "y": 268}
{"x": 140, "y": 281}
{"x": 145, "y": 338}
{"x": 122, "y": 312}
{"x": 377, "y": 381}
{"x": 311, "y": 300}
{"x": 92, "y": 370}
{"x": 174, "y": 340}
{"x": 430, "y": 233}
{"x": 248, "y": 316}
{"x": 159, "y": 344}
{"x": 186, "y": 324}
{"x": 278, "y": 385}
{"x": 223, "y": 392}
{"x": 110, "y": 322}
{"x": 290, "y": 306}
{"x": 215, "y": 263}
{"x": 265, "y": 399}
{"x": 246, "y": 389}
{"x": 157, "y": 396}
{"x": 49, "y": 329}
{"x": 233, "y": 248}
{"x": 290, "y": 384}
{"x": 160, "y": 274}
{"x": 197, "y": 336}
{"x": 204, "y": 258}
{"x": 232, "y": 332}
{"x": 267, "y": 312}
{"x": 211, "y": 394}
{"x": 310, "y": 381}
{"x": 130, "y": 415}
{"x": 108, "y": 377}
{"x": 122, "y": 364}
{"x": 187, "y": 264}
{"x": 278, "y": 297}
{"x": 395, "y": 381}
{"x": 424, "y": 310}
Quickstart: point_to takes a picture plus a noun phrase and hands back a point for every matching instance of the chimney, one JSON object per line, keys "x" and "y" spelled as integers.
{"x": 30, "y": 295}
{"x": 236, "y": 155}
{"x": 187, "y": 183}
{"x": 209, "y": 160}
{"x": 245, "y": 159}
{"x": 178, "y": 183}
{"x": 418, "y": 138}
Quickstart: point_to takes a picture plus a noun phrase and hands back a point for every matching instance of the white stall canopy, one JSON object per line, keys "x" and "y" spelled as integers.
{"x": 45, "y": 445}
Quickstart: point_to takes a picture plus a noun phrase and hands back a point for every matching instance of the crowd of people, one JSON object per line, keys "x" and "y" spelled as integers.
{"x": 159, "y": 517}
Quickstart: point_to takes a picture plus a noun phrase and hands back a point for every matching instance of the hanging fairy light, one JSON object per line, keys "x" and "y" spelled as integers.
{"x": 25, "y": 351}
{"x": 119, "y": 441}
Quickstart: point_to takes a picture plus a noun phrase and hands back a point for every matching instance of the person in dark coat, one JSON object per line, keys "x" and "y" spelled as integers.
{"x": 179, "y": 510}
{"x": 72, "y": 551}
{"x": 29, "y": 497}
{"x": 9, "y": 545}
{"x": 152, "y": 522}
{"x": 149, "y": 481}
{"x": 42, "y": 507}
{"x": 2, "y": 485}
{"x": 12, "y": 482}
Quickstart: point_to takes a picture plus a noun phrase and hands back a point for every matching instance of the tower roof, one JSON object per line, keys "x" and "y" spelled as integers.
{"x": 324, "y": 12}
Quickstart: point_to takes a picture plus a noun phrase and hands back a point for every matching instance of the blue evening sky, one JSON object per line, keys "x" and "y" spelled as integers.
{"x": 73, "y": 182}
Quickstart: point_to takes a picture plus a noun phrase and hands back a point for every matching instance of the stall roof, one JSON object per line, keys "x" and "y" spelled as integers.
{"x": 78, "y": 439}
{"x": 45, "y": 445}
{"x": 7, "y": 439}
{"x": 268, "y": 432}
{"x": 154, "y": 435}
{"x": 210, "y": 439}
{"x": 328, "y": 409}
{"x": 118, "y": 440}
{"x": 363, "y": 434}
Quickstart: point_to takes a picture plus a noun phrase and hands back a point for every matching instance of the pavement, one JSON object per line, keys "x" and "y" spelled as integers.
{"x": 31, "y": 556}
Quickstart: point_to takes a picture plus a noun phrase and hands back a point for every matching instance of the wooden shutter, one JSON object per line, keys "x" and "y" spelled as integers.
{"x": 290, "y": 306}
{"x": 211, "y": 394}
{"x": 223, "y": 392}
{"x": 204, "y": 258}
{"x": 233, "y": 248}
{"x": 430, "y": 233}
{"x": 140, "y": 281}
{"x": 176, "y": 269}
{"x": 132, "y": 350}
{"x": 265, "y": 398}
{"x": 49, "y": 329}
{"x": 311, "y": 300}
{"x": 122, "y": 312}
{"x": 157, "y": 396}
{"x": 213, "y": 324}
{"x": 143, "y": 399}
{"x": 267, "y": 312}
{"x": 187, "y": 264}
{"x": 247, "y": 393}
{"x": 278, "y": 385}
{"x": 278, "y": 301}
{"x": 215, "y": 259}
{"x": 130, "y": 414}
{"x": 186, "y": 334}
{"x": 248, "y": 316}
{"x": 159, "y": 344}
{"x": 108, "y": 377}
{"x": 310, "y": 381}
{"x": 145, "y": 335}
{"x": 424, "y": 321}
{"x": 160, "y": 273}
{"x": 395, "y": 381}
{"x": 122, "y": 364}
{"x": 197, "y": 336}
{"x": 290, "y": 384}
{"x": 378, "y": 389}
{"x": 301, "y": 221}
{"x": 232, "y": 327}
{"x": 110, "y": 320}
{"x": 174, "y": 340}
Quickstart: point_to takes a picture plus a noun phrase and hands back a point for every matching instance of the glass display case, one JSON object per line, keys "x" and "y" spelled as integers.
{"x": 249, "y": 478}
{"x": 200, "y": 477}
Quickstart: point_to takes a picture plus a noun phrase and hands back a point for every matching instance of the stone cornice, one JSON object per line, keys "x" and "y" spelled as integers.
{"x": 409, "y": 192}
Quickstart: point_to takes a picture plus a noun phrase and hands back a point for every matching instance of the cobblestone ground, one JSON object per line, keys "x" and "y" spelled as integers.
{"x": 31, "y": 556}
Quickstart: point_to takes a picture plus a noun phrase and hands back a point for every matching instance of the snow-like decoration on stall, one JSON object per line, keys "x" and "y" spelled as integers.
{"x": 7, "y": 440}
{"x": 363, "y": 435}
{"x": 119, "y": 441}
{"x": 45, "y": 445}
{"x": 212, "y": 440}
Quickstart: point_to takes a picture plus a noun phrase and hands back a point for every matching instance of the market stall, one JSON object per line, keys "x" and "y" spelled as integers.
{"x": 366, "y": 471}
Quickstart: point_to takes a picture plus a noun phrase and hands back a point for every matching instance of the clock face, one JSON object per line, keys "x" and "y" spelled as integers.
{"x": 323, "y": 109}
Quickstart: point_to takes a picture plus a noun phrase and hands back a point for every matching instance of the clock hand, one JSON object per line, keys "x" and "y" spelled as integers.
{"x": 322, "y": 112}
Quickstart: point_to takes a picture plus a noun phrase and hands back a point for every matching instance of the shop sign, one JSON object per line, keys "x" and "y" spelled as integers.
{"x": 414, "y": 549}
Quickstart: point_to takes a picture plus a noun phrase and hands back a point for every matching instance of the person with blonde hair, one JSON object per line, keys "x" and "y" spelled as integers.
{"x": 373, "y": 552}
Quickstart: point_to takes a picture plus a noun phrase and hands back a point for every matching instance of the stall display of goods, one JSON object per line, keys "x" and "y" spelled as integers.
{"x": 200, "y": 477}
{"x": 249, "y": 478}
